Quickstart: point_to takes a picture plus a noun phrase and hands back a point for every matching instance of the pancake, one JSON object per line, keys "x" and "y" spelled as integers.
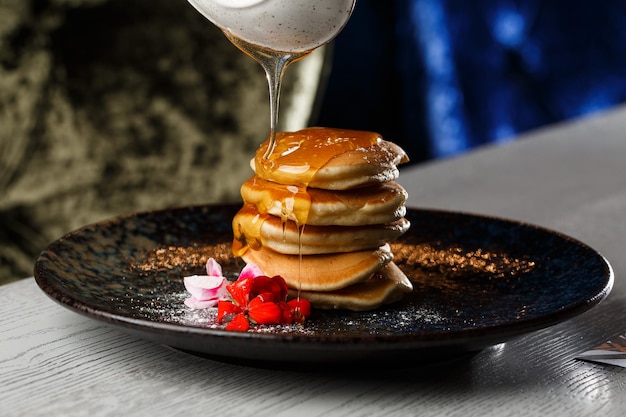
{"x": 330, "y": 159}
{"x": 378, "y": 204}
{"x": 320, "y": 272}
{"x": 384, "y": 287}
{"x": 266, "y": 231}
{"x": 321, "y": 211}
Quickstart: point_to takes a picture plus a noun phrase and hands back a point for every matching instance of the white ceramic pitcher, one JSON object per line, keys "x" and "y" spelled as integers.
{"x": 291, "y": 26}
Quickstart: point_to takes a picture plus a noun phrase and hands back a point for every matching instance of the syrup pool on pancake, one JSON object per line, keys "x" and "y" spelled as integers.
{"x": 276, "y": 33}
{"x": 298, "y": 156}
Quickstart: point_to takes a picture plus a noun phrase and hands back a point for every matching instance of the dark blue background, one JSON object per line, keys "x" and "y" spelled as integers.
{"x": 440, "y": 77}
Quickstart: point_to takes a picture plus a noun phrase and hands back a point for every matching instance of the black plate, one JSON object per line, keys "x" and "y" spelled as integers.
{"x": 478, "y": 280}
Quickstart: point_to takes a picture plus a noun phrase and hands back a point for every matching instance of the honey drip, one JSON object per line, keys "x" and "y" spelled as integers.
{"x": 300, "y": 232}
{"x": 274, "y": 64}
{"x": 242, "y": 242}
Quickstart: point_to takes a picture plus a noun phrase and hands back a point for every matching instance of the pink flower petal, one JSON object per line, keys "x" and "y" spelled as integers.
{"x": 205, "y": 288}
{"x": 213, "y": 268}
{"x": 250, "y": 271}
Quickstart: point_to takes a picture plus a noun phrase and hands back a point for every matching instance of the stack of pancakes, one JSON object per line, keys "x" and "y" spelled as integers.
{"x": 320, "y": 211}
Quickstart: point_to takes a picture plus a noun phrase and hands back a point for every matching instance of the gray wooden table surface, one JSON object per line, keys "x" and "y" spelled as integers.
{"x": 571, "y": 178}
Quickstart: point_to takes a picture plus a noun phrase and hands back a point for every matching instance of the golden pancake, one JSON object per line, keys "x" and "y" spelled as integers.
{"x": 320, "y": 211}
{"x": 330, "y": 159}
{"x": 378, "y": 204}
{"x": 320, "y": 272}
{"x": 384, "y": 287}
{"x": 266, "y": 231}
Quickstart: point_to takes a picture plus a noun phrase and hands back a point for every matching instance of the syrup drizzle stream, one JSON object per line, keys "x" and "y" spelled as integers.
{"x": 274, "y": 64}
{"x": 300, "y": 232}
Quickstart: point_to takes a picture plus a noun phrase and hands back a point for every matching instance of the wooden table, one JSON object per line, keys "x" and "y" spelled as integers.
{"x": 571, "y": 178}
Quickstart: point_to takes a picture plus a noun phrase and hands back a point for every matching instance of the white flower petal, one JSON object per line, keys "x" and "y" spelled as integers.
{"x": 204, "y": 287}
{"x": 250, "y": 270}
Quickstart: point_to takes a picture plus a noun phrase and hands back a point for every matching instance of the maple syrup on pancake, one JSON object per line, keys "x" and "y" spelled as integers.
{"x": 305, "y": 152}
{"x": 242, "y": 242}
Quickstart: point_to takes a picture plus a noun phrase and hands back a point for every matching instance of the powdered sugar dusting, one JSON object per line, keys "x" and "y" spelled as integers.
{"x": 170, "y": 309}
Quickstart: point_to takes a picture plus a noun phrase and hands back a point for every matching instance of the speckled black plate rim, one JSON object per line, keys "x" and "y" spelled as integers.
{"x": 205, "y": 339}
